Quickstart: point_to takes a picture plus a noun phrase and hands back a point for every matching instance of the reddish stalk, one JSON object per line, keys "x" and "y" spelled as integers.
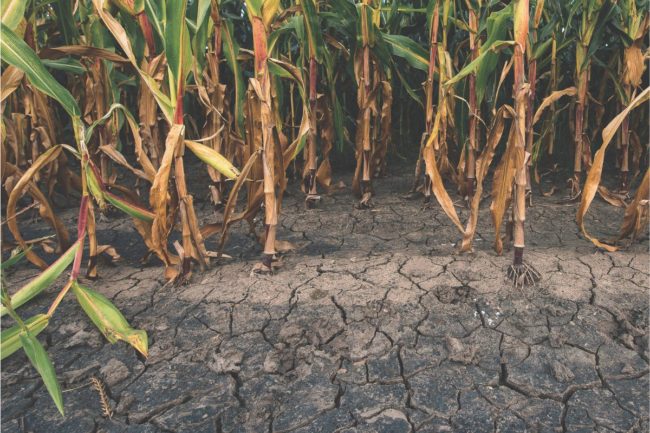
{"x": 470, "y": 154}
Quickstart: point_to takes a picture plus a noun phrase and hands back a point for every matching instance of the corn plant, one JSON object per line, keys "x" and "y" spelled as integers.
{"x": 634, "y": 22}
{"x": 593, "y": 15}
{"x": 369, "y": 73}
{"x": 100, "y": 310}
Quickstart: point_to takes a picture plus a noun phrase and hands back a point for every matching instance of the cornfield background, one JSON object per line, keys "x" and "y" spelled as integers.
{"x": 487, "y": 96}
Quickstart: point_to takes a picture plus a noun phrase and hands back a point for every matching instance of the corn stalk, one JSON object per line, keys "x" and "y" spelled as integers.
{"x": 374, "y": 96}
{"x": 520, "y": 272}
{"x": 260, "y": 14}
{"x": 634, "y": 23}
{"x": 591, "y": 10}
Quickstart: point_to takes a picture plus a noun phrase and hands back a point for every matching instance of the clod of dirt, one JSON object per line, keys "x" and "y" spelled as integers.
{"x": 81, "y": 338}
{"x": 272, "y": 362}
{"x": 459, "y": 352}
{"x": 226, "y": 362}
{"x": 291, "y": 334}
{"x": 114, "y": 372}
{"x": 556, "y": 339}
{"x": 73, "y": 376}
{"x": 628, "y": 368}
{"x": 391, "y": 418}
{"x": 561, "y": 372}
{"x": 126, "y": 400}
{"x": 627, "y": 340}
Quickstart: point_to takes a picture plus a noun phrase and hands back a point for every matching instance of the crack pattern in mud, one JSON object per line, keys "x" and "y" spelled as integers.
{"x": 373, "y": 325}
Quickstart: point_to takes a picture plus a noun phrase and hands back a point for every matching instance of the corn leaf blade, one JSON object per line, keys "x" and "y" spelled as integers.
{"x": 12, "y": 11}
{"x": 39, "y": 359}
{"x": 109, "y": 320}
{"x": 10, "y": 338}
{"x": 213, "y": 158}
{"x": 17, "y": 53}
{"x": 43, "y": 280}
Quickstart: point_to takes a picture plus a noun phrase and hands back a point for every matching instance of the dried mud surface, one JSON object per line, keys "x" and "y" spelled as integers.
{"x": 372, "y": 325}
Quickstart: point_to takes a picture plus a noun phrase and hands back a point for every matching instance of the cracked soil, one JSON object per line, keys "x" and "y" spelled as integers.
{"x": 373, "y": 324}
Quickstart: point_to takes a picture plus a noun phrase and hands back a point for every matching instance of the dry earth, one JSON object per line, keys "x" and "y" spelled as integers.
{"x": 372, "y": 325}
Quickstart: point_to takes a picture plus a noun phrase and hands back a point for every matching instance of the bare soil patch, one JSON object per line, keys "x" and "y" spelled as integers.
{"x": 373, "y": 324}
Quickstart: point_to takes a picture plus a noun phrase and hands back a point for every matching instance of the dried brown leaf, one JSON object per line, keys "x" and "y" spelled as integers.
{"x": 595, "y": 173}
{"x": 24, "y": 181}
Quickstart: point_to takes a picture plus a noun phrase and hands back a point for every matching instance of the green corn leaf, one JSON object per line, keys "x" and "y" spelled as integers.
{"x": 10, "y": 338}
{"x": 129, "y": 208}
{"x": 254, "y": 7}
{"x": 540, "y": 49}
{"x": 114, "y": 107}
{"x": 231, "y": 51}
{"x": 339, "y": 117}
{"x": 17, "y": 53}
{"x": 408, "y": 88}
{"x": 118, "y": 32}
{"x": 405, "y": 47}
{"x": 12, "y": 11}
{"x": 476, "y": 64}
{"x": 213, "y": 158}
{"x": 95, "y": 186}
{"x": 497, "y": 26}
{"x": 177, "y": 45}
{"x": 279, "y": 72}
{"x": 199, "y": 35}
{"x": 302, "y": 140}
{"x": 429, "y": 11}
{"x": 314, "y": 33}
{"x": 65, "y": 20}
{"x": 287, "y": 28}
{"x": 155, "y": 17}
{"x": 102, "y": 195}
{"x": 129, "y": 6}
{"x": 108, "y": 319}
{"x": 11, "y": 261}
{"x": 66, "y": 65}
{"x": 203, "y": 12}
{"x": 39, "y": 359}
{"x": 43, "y": 280}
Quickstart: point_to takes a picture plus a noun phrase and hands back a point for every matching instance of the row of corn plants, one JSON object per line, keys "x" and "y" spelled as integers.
{"x": 96, "y": 90}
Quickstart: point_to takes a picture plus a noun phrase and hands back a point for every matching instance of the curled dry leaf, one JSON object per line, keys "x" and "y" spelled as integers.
{"x": 635, "y": 220}
{"x": 633, "y": 65}
{"x": 9, "y": 81}
{"x": 438, "y": 187}
{"x": 44, "y": 159}
{"x": 552, "y": 98}
{"x": 502, "y": 185}
{"x": 595, "y": 173}
{"x": 617, "y": 200}
{"x": 159, "y": 195}
{"x": 482, "y": 166}
{"x": 116, "y": 156}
